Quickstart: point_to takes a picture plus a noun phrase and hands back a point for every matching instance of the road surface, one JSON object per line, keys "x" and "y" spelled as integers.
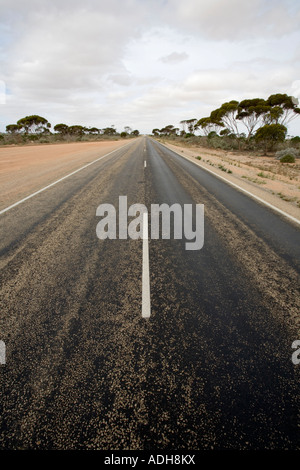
{"x": 209, "y": 369}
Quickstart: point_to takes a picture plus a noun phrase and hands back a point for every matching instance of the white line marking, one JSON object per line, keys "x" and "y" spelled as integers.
{"x": 145, "y": 164}
{"x": 285, "y": 214}
{"x": 146, "y": 307}
{"x": 59, "y": 180}
{"x": 2, "y": 353}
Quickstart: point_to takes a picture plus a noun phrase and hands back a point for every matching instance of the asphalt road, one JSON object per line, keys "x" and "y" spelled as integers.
{"x": 210, "y": 369}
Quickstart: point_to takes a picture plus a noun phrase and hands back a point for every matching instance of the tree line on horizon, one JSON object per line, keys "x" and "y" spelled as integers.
{"x": 35, "y": 125}
{"x": 264, "y": 121}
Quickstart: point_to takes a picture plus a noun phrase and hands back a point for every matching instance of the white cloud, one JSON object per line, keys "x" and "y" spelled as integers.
{"x": 295, "y": 91}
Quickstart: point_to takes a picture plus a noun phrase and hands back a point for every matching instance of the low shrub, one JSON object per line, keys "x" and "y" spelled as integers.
{"x": 287, "y": 159}
{"x": 288, "y": 152}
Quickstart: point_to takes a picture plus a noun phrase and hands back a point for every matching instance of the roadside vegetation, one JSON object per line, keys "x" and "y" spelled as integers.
{"x": 251, "y": 125}
{"x": 37, "y": 129}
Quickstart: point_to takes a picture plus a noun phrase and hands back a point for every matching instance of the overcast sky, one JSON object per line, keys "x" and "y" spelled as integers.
{"x": 143, "y": 63}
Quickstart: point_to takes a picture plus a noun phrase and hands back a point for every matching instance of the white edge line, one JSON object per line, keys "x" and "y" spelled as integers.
{"x": 297, "y": 221}
{"x": 146, "y": 306}
{"x": 60, "y": 179}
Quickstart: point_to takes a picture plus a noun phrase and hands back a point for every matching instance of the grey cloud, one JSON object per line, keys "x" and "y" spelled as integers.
{"x": 213, "y": 87}
{"x": 70, "y": 52}
{"x": 234, "y": 19}
{"x": 122, "y": 79}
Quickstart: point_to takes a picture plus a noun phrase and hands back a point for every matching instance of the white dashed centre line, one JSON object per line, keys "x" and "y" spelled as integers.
{"x": 146, "y": 307}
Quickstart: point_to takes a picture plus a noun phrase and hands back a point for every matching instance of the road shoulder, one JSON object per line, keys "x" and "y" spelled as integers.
{"x": 249, "y": 188}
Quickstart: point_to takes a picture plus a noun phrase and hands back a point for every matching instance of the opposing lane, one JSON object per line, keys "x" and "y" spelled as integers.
{"x": 230, "y": 300}
{"x": 279, "y": 232}
{"x": 210, "y": 368}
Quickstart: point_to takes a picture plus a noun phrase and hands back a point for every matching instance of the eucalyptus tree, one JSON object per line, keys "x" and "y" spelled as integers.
{"x": 93, "y": 130}
{"x": 192, "y": 125}
{"x": 226, "y": 116}
{"x": 183, "y": 124}
{"x": 61, "y": 128}
{"x": 168, "y": 130}
{"x": 76, "y": 130}
{"x": 252, "y": 113}
{"x": 284, "y": 108}
{"x": 34, "y": 124}
{"x": 13, "y": 128}
{"x": 207, "y": 125}
{"x": 109, "y": 131}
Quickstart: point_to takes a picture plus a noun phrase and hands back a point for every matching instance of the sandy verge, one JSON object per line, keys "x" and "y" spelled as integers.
{"x": 26, "y": 169}
{"x": 265, "y": 177}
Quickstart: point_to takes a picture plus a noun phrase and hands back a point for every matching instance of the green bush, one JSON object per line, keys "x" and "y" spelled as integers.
{"x": 32, "y": 138}
{"x": 287, "y": 159}
{"x": 223, "y": 143}
{"x": 270, "y": 135}
{"x": 289, "y": 151}
{"x": 212, "y": 134}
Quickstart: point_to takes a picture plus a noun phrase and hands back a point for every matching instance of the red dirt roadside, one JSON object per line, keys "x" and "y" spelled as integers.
{"x": 26, "y": 169}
